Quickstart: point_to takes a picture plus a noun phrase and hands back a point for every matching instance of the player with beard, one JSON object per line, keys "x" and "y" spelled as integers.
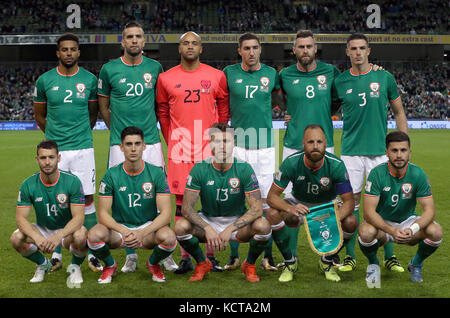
{"x": 65, "y": 108}
{"x": 317, "y": 177}
{"x": 127, "y": 92}
{"x": 392, "y": 191}
{"x": 310, "y": 99}
{"x": 192, "y": 96}
{"x": 58, "y": 201}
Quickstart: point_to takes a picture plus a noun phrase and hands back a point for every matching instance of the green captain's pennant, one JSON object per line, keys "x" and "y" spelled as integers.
{"x": 324, "y": 229}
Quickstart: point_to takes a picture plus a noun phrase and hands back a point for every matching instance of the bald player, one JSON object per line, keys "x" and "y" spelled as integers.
{"x": 191, "y": 97}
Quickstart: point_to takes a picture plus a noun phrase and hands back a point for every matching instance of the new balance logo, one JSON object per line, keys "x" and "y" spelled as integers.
{"x": 239, "y": 81}
{"x": 123, "y": 80}
{"x": 39, "y": 199}
{"x": 387, "y": 189}
{"x": 301, "y": 178}
{"x": 55, "y": 88}
{"x": 123, "y": 189}
{"x": 210, "y": 182}
{"x": 178, "y": 86}
{"x": 349, "y": 91}
{"x": 295, "y": 81}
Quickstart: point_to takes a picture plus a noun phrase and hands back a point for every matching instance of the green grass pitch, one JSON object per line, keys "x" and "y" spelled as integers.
{"x": 430, "y": 150}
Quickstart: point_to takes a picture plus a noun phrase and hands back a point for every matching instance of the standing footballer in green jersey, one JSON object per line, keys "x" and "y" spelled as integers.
{"x": 224, "y": 184}
{"x": 317, "y": 177}
{"x": 58, "y": 201}
{"x": 65, "y": 108}
{"x": 126, "y": 97}
{"x": 365, "y": 97}
{"x": 251, "y": 85}
{"x": 392, "y": 190}
{"x": 135, "y": 191}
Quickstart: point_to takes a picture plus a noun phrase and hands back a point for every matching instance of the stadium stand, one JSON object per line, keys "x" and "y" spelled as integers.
{"x": 107, "y": 16}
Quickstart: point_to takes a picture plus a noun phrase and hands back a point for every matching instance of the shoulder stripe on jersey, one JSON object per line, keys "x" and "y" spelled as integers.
{"x": 335, "y": 159}
{"x": 371, "y": 195}
{"x": 40, "y": 102}
{"x": 393, "y": 100}
{"x": 251, "y": 191}
{"x": 295, "y": 154}
{"x": 427, "y": 197}
{"x": 103, "y": 95}
{"x": 192, "y": 190}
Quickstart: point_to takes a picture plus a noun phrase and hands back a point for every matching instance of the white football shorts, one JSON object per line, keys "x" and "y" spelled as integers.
{"x": 82, "y": 164}
{"x": 358, "y": 166}
{"x": 263, "y": 164}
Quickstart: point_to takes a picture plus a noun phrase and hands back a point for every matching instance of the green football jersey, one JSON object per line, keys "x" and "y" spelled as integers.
{"x": 134, "y": 195}
{"x": 251, "y": 104}
{"x": 313, "y": 186}
{"x": 67, "y": 98}
{"x": 131, "y": 89}
{"x": 308, "y": 101}
{"x": 398, "y": 195}
{"x": 222, "y": 193}
{"x": 51, "y": 202}
{"x": 365, "y": 102}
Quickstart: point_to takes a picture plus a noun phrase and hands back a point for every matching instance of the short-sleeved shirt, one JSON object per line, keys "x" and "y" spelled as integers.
{"x": 319, "y": 185}
{"x": 189, "y": 103}
{"x": 134, "y": 194}
{"x": 51, "y": 202}
{"x": 308, "y": 100}
{"x": 251, "y": 104}
{"x": 67, "y": 98}
{"x": 222, "y": 192}
{"x": 131, "y": 89}
{"x": 397, "y": 195}
{"x": 365, "y": 101}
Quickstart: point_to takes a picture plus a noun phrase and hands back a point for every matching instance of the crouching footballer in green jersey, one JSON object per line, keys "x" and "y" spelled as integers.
{"x": 58, "y": 201}
{"x": 223, "y": 183}
{"x": 392, "y": 191}
{"x": 135, "y": 191}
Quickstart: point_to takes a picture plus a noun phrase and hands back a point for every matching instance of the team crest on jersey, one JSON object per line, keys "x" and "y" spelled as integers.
{"x": 322, "y": 80}
{"x": 62, "y": 200}
{"x": 375, "y": 89}
{"x": 206, "y": 85}
{"x": 147, "y": 187}
{"x": 325, "y": 183}
{"x": 406, "y": 188}
{"x": 81, "y": 88}
{"x": 234, "y": 182}
{"x": 148, "y": 80}
{"x": 265, "y": 81}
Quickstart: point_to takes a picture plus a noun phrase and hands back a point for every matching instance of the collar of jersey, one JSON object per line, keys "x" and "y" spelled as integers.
{"x": 313, "y": 169}
{"x": 49, "y": 185}
{"x": 131, "y": 64}
{"x": 363, "y": 73}
{"x": 57, "y": 70}
{"x": 247, "y": 70}
{"x": 134, "y": 174}
{"x": 212, "y": 161}
{"x": 303, "y": 70}
{"x": 389, "y": 168}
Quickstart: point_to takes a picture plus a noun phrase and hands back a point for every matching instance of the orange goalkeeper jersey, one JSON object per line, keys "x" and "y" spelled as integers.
{"x": 190, "y": 102}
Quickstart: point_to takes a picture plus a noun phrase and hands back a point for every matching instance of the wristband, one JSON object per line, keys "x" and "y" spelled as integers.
{"x": 414, "y": 228}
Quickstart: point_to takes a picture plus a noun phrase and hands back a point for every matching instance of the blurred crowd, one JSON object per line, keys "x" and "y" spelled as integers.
{"x": 224, "y": 16}
{"x": 424, "y": 88}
